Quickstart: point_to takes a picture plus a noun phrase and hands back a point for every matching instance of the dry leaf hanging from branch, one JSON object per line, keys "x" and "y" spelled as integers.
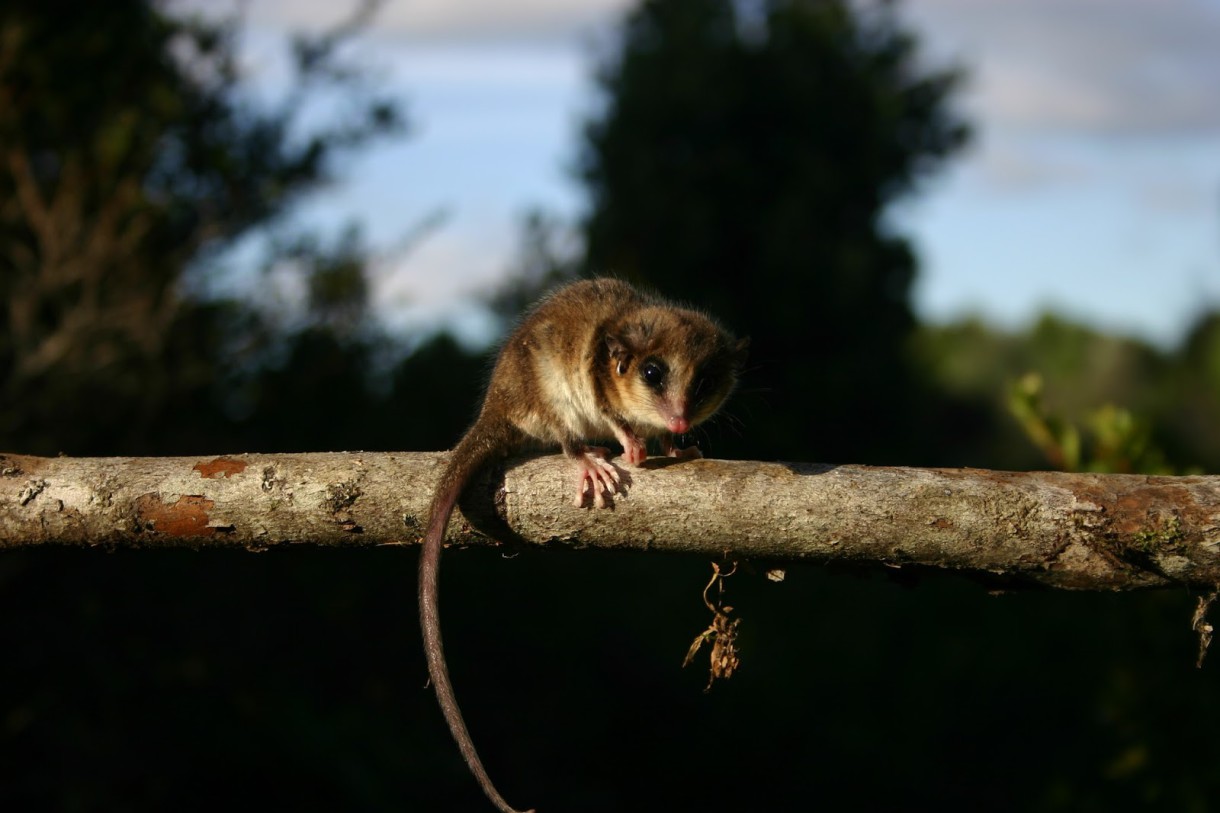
{"x": 722, "y": 632}
{"x": 1201, "y": 625}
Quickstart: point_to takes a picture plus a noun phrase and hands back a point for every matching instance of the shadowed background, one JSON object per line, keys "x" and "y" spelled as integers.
{"x": 174, "y": 283}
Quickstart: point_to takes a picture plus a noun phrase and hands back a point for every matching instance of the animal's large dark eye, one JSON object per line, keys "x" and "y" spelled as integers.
{"x": 653, "y": 373}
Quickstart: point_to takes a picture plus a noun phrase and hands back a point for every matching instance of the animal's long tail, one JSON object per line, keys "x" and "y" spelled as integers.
{"x": 486, "y": 440}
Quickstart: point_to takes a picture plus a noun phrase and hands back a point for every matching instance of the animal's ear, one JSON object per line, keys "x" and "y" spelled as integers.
{"x": 740, "y": 348}
{"x": 620, "y": 352}
{"x": 617, "y": 347}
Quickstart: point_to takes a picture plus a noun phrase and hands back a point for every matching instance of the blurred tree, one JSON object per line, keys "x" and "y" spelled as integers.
{"x": 1078, "y": 368}
{"x": 1070, "y": 405}
{"x": 1118, "y": 441}
{"x": 1191, "y": 402}
{"x": 744, "y": 159}
{"x": 131, "y": 160}
{"x": 547, "y": 257}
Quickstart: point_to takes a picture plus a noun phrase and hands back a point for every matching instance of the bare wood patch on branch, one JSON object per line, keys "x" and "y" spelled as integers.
{"x": 1076, "y": 531}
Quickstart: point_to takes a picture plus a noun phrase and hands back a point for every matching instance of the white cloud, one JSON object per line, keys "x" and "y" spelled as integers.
{"x": 439, "y": 281}
{"x": 1012, "y": 166}
{"x": 445, "y": 19}
{"x": 1127, "y": 66}
{"x": 1178, "y": 195}
{"x": 1113, "y": 66}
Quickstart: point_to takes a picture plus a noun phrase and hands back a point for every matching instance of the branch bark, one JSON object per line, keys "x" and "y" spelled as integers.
{"x": 1074, "y": 531}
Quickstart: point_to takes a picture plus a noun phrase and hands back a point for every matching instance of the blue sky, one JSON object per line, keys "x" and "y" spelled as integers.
{"x": 1093, "y": 186}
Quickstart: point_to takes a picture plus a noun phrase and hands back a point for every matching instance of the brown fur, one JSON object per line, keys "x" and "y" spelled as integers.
{"x": 573, "y": 370}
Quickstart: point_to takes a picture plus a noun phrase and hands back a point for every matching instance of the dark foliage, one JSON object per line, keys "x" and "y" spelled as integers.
{"x": 132, "y": 159}
{"x": 744, "y": 161}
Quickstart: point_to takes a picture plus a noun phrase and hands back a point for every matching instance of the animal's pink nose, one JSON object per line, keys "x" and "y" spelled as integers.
{"x": 678, "y": 424}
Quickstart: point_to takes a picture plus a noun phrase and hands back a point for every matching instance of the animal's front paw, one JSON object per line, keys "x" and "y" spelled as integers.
{"x": 596, "y": 476}
{"x": 635, "y": 450}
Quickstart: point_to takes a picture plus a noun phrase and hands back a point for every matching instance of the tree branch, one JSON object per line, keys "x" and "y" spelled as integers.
{"x": 1075, "y": 531}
